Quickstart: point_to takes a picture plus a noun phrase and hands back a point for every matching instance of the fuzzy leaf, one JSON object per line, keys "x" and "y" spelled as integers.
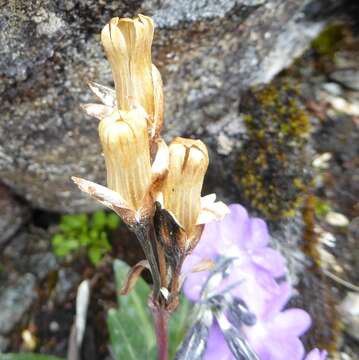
{"x": 178, "y": 325}
{"x": 130, "y": 325}
{"x": 28, "y": 356}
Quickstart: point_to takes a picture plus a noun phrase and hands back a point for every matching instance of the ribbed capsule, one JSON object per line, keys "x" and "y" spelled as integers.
{"x": 127, "y": 43}
{"x": 125, "y": 143}
{"x": 182, "y": 188}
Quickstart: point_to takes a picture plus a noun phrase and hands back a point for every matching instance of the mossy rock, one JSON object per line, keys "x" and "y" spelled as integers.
{"x": 271, "y": 165}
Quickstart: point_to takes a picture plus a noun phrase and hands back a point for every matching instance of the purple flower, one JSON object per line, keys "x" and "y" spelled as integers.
{"x": 217, "y": 348}
{"x": 316, "y": 354}
{"x": 256, "y": 267}
{"x": 275, "y": 336}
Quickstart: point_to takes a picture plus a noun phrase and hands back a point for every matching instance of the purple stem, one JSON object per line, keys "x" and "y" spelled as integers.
{"x": 160, "y": 317}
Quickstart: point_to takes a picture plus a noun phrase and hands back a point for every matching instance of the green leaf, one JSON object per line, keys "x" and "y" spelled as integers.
{"x": 321, "y": 207}
{"x": 73, "y": 222}
{"x": 130, "y": 325}
{"x": 95, "y": 254}
{"x": 178, "y": 325}
{"x": 94, "y": 235}
{"x": 57, "y": 240}
{"x": 28, "y": 356}
{"x": 98, "y": 220}
{"x": 84, "y": 239}
{"x": 65, "y": 247}
{"x": 113, "y": 221}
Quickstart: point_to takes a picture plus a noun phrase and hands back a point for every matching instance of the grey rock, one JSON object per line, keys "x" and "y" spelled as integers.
{"x": 27, "y": 261}
{"x": 4, "y": 343}
{"x": 347, "y": 77}
{"x": 332, "y": 88}
{"x": 208, "y": 52}
{"x": 13, "y": 214}
{"x": 29, "y": 252}
{"x": 349, "y": 311}
{"x": 41, "y": 264}
{"x": 15, "y": 301}
{"x": 67, "y": 280}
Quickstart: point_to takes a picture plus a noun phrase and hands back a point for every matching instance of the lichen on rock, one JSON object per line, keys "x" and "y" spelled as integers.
{"x": 271, "y": 166}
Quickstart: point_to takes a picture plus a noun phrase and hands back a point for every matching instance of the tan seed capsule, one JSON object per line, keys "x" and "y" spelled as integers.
{"x": 182, "y": 187}
{"x": 125, "y": 144}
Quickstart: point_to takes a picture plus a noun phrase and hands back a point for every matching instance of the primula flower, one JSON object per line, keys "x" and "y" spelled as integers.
{"x": 316, "y": 354}
{"x": 275, "y": 334}
{"x": 256, "y": 266}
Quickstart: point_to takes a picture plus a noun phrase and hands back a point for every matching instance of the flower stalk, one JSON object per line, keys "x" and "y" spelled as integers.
{"x": 160, "y": 318}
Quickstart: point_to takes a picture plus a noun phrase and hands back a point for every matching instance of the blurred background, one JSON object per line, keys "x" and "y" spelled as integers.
{"x": 271, "y": 87}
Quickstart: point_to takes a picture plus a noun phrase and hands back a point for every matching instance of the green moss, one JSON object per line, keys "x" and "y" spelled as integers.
{"x": 270, "y": 165}
{"x": 328, "y": 41}
{"x": 323, "y": 311}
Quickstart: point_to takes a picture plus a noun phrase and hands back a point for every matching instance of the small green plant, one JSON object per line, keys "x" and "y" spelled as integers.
{"x": 85, "y": 232}
{"x": 321, "y": 207}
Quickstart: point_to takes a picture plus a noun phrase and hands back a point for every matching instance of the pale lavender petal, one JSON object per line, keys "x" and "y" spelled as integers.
{"x": 316, "y": 354}
{"x": 235, "y": 227}
{"x": 193, "y": 285}
{"x": 292, "y": 322}
{"x": 277, "y": 303}
{"x": 284, "y": 348}
{"x": 270, "y": 260}
{"x": 257, "y": 289}
{"x": 190, "y": 261}
{"x": 217, "y": 348}
{"x": 259, "y": 235}
{"x": 207, "y": 246}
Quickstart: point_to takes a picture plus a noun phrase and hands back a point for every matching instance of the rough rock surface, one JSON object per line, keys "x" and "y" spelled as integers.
{"x": 15, "y": 301}
{"x": 27, "y": 261}
{"x": 13, "y": 214}
{"x": 209, "y": 52}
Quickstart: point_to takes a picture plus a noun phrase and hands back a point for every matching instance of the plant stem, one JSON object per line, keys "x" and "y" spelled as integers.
{"x": 160, "y": 317}
{"x": 147, "y": 237}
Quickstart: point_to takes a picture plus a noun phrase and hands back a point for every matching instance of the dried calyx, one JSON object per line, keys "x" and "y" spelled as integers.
{"x": 154, "y": 188}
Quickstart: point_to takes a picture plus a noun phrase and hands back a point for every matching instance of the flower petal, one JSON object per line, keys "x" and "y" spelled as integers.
{"x": 316, "y": 354}
{"x": 211, "y": 211}
{"x": 235, "y": 227}
{"x": 207, "y": 245}
{"x": 160, "y": 164}
{"x": 193, "y": 285}
{"x": 190, "y": 262}
{"x": 291, "y": 322}
{"x": 257, "y": 289}
{"x": 217, "y": 348}
{"x": 270, "y": 260}
{"x": 283, "y": 348}
{"x": 157, "y": 123}
{"x": 259, "y": 235}
{"x": 277, "y": 303}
